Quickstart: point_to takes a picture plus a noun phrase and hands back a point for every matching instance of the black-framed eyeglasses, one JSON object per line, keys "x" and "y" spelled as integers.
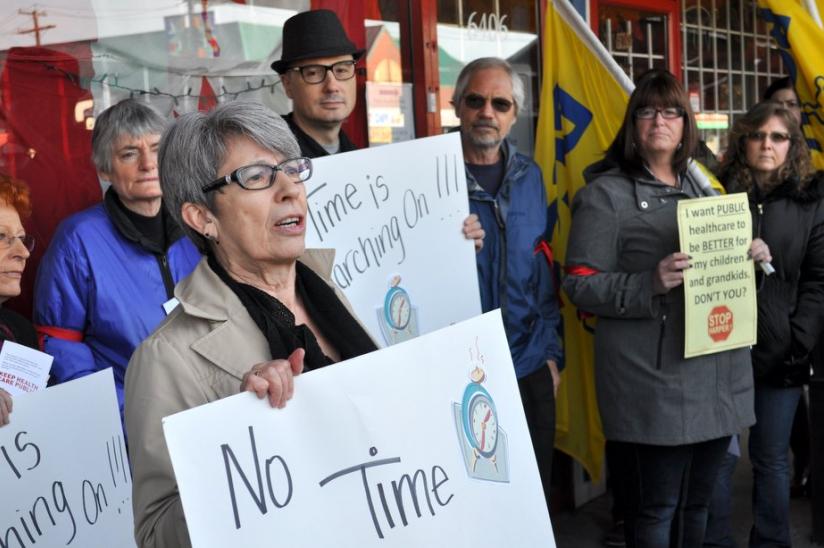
{"x": 776, "y": 137}
{"x": 262, "y": 176}
{"x": 7, "y": 241}
{"x": 477, "y": 102}
{"x": 315, "y": 74}
{"x": 668, "y": 113}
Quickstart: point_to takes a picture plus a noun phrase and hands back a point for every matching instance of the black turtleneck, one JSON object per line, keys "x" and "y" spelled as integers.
{"x": 151, "y": 228}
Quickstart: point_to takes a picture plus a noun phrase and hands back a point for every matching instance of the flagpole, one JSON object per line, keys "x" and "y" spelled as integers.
{"x": 812, "y": 9}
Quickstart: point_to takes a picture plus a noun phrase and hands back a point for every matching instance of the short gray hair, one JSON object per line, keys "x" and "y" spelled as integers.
{"x": 127, "y": 117}
{"x": 483, "y": 63}
{"x": 194, "y": 147}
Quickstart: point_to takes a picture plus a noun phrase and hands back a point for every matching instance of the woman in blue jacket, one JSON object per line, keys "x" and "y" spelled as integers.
{"x": 107, "y": 278}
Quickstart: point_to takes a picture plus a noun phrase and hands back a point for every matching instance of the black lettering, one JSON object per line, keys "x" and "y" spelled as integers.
{"x": 436, "y": 484}
{"x": 288, "y": 481}
{"x": 258, "y": 497}
{"x": 95, "y": 494}
{"x": 22, "y": 449}
{"x": 411, "y": 482}
{"x": 33, "y": 514}
{"x": 66, "y": 508}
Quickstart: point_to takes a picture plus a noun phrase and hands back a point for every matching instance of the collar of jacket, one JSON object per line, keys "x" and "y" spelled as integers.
{"x": 126, "y": 229}
{"x": 514, "y": 167}
{"x": 311, "y": 148}
{"x": 204, "y": 295}
{"x": 795, "y": 189}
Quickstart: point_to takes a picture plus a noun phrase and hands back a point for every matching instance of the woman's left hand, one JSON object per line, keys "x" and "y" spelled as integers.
{"x": 274, "y": 379}
{"x": 473, "y": 230}
{"x": 760, "y": 251}
{"x": 5, "y": 407}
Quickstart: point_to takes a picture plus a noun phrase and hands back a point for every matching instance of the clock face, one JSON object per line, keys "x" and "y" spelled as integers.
{"x": 399, "y": 310}
{"x": 484, "y": 424}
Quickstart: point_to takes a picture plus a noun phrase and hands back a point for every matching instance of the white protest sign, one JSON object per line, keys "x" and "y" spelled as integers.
{"x": 394, "y": 215}
{"x": 64, "y": 469}
{"x": 23, "y": 369}
{"x": 420, "y": 444}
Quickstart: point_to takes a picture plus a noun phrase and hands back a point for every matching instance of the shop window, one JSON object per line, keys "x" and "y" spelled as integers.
{"x": 728, "y": 52}
{"x": 89, "y": 54}
{"x": 390, "y": 109}
{"x": 470, "y": 29}
{"x": 636, "y": 38}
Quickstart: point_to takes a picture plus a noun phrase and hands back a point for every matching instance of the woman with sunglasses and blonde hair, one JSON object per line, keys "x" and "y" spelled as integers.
{"x": 769, "y": 160}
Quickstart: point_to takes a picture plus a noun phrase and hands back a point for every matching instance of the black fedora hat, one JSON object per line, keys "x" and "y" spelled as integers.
{"x": 311, "y": 34}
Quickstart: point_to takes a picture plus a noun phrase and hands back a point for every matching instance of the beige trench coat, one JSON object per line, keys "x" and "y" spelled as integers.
{"x": 198, "y": 355}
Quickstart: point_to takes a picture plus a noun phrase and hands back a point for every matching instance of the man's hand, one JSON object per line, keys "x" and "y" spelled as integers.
{"x": 556, "y": 375}
{"x": 473, "y": 230}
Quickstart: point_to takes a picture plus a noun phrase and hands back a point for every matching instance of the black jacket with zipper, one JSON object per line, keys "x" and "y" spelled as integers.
{"x": 790, "y": 219}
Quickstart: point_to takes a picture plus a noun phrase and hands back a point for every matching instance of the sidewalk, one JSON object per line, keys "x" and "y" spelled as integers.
{"x": 585, "y": 527}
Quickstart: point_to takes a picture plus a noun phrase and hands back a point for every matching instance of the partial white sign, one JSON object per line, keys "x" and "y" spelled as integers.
{"x": 23, "y": 369}
{"x": 420, "y": 444}
{"x": 394, "y": 215}
{"x": 63, "y": 469}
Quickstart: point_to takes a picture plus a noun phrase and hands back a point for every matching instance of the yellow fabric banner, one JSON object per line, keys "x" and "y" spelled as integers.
{"x": 799, "y": 36}
{"x": 583, "y": 99}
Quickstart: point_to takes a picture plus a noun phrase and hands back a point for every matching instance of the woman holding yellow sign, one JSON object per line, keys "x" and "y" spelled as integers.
{"x": 670, "y": 417}
{"x": 769, "y": 160}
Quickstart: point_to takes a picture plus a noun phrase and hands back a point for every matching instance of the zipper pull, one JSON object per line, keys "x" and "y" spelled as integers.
{"x": 760, "y": 208}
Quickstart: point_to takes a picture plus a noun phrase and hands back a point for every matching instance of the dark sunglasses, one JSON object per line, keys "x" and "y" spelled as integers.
{"x": 477, "y": 102}
{"x": 774, "y": 136}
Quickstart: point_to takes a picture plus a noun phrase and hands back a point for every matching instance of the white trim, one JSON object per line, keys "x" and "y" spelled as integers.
{"x": 585, "y": 34}
{"x": 812, "y": 9}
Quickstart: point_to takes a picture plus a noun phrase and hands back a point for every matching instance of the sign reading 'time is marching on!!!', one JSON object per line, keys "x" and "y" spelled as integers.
{"x": 64, "y": 473}
{"x": 420, "y": 444}
{"x": 394, "y": 215}
{"x": 719, "y": 289}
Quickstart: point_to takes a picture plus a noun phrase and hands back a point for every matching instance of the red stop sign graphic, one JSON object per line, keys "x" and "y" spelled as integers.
{"x": 719, "y": 323}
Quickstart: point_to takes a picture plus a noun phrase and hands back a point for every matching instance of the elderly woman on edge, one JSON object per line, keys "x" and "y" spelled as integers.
{"x": 670, "y": 417}
{"x": 15, "y": 247}
{"x": 107, "y": 278}
{"x": 258, "y": 310}
{"x": 768, "y": 159}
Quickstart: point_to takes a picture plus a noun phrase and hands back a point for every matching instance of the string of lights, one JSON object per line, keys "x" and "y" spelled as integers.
{"x": 112, "y": 81}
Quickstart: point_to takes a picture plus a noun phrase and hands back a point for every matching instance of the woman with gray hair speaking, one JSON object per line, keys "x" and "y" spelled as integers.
{"x": 256, "y": 312}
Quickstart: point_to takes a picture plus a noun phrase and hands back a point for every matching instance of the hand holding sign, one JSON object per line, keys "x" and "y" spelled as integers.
{"x": 670, "y": 273}
{"x": 5, "y": 407}
{"x": 275, "y": 379}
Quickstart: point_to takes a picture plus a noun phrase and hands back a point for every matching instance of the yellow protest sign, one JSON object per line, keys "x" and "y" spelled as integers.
{"x": 719, "y": 289}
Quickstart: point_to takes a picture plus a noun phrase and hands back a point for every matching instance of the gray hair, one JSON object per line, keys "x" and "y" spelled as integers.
{"x": 483, "y": 63}
{"x": 127, "y": 117}
{"x": 194, "y": 147}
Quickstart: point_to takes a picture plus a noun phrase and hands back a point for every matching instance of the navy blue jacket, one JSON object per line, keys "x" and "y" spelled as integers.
{"x": 100, "y": 291}
{"x": 511, "y": 275}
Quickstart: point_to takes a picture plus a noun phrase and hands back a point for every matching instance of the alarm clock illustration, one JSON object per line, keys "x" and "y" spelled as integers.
{"x": 483, "y": 441}
{"x": 480, "y": 422}
{"x": 397, "y": 318}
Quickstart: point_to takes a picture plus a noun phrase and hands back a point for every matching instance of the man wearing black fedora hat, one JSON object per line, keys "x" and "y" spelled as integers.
{"x": 317, "y": 69}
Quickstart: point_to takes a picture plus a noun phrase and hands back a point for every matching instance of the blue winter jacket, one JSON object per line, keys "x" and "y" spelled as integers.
{"x": 100, "y": 290}
{"x": 512, "y": 276}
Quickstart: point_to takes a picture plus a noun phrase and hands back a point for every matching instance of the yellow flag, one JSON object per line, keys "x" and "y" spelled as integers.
{"x": 798, "y": 34}
{"x": 583, "y": 99}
